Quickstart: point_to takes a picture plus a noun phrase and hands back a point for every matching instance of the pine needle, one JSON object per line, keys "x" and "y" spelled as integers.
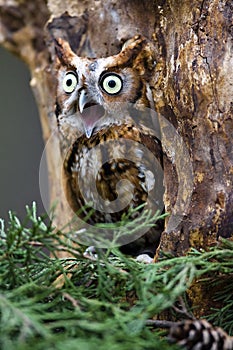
{"x": 108, "y": 303}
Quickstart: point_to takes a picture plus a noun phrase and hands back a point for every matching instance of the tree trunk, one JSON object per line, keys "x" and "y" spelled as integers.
{"x": 195, "y": 94}
{"x": 192, "y": 88}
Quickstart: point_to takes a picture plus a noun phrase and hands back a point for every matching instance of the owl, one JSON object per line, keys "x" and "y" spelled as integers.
{"x": 110, "y": 137}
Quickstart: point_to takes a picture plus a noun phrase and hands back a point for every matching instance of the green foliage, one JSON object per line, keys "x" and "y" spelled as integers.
{"x": 75, "y": 303}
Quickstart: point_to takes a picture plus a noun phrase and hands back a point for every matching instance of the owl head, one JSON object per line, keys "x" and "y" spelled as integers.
{"x": 94, "y": 93}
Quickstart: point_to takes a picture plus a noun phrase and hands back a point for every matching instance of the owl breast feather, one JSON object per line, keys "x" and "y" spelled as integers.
{"x": 112, "y": 172}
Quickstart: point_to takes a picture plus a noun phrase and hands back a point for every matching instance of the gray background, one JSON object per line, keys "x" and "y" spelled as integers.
{"x": 21, "y": 142}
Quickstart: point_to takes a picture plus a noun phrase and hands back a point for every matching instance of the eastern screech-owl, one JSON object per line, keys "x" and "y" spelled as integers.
{"x": 104, "y": 105}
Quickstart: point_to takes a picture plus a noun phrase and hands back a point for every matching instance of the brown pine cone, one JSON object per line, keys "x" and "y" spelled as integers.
{"x": 200, "y": 335}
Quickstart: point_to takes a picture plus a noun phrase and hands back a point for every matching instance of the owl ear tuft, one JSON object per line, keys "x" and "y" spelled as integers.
{"x": 63, "y": 51}
{"x": 140, "y": 51}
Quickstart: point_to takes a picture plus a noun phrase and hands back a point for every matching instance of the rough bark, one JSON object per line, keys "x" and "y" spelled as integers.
{"x": 192, "y": 89}
{"x": 196, "y": 95}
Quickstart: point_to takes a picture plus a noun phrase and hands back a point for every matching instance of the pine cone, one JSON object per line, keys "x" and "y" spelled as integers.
{"x": 200, "y": 335}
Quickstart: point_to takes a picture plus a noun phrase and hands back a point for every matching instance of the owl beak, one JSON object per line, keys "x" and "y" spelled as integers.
{"x": 84, "y": 99}
{"x": 90, "y": 112}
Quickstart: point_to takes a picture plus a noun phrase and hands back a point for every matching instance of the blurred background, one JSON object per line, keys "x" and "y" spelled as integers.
{"x": 21, "y": 143}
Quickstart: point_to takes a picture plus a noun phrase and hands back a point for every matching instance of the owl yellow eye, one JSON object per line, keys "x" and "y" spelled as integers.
{"x": 69, "y": 82}
{"x": 111, "y": 83}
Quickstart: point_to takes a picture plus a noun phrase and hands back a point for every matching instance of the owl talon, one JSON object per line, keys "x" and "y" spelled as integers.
{"x": 90, "y": 253}
{"x": 144, "y": 258}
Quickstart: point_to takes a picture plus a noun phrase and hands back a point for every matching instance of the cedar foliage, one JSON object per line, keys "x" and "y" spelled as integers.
{"x": 76, "y": 303}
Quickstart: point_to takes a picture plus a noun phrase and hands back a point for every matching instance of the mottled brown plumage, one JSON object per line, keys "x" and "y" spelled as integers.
{"x": 111, "y": 141}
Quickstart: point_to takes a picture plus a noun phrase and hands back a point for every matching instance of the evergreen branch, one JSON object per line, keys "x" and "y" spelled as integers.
{"x": 109, "y": 302}
{"x": 160, "y": 323}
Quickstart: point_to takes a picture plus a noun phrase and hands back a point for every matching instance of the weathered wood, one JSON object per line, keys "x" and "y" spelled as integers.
{"x": 194, "y": 91}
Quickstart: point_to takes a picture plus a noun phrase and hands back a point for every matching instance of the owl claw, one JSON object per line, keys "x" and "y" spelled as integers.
{"x": 90, "y": 253}
{"x": 144, "y": 258}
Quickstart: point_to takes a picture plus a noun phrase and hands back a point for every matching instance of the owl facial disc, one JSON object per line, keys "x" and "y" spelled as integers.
{"x": 90, "y": 112}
